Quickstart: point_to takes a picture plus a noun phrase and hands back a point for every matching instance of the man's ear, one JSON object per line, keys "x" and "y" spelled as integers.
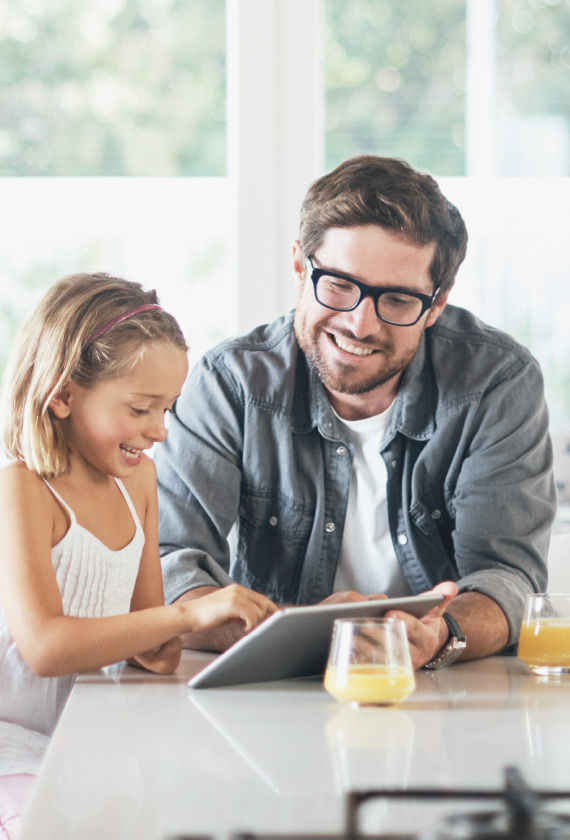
{"x": 60, "y": 403}
{"x": 437, "y": 308}
{"x": 298, "y": 266}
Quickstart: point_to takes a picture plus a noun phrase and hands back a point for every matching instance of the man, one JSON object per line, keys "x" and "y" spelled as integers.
{"x": 376, "y": 440}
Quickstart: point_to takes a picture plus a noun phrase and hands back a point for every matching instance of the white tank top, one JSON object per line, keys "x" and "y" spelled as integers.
{"x": 94, "y": 581}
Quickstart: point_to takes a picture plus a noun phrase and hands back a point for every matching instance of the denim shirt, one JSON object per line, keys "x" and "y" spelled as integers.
{"x": 254, "y": 444}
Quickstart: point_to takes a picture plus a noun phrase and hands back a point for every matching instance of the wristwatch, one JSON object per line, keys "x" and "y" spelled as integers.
{"x": 453, "y": 648}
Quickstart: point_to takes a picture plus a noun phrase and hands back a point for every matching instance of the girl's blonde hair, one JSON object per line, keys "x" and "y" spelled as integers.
{"x": 54, "y": 346}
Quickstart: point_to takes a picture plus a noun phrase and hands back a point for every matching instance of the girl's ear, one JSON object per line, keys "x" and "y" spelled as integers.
{"x": 60, "y": 404}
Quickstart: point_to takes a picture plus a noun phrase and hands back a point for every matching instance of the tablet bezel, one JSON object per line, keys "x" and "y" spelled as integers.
{"x": 277, "y": 649}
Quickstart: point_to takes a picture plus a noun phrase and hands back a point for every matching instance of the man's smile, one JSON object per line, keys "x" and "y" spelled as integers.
{"x": 351, "y": 345}
{"x": 355, "y": 349}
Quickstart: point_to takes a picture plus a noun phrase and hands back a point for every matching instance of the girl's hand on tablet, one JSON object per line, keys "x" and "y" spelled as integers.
{"x": 231, "y": 602}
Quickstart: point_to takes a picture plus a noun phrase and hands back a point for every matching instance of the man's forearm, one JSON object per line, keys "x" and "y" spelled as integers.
{"x": 482, "y": 621}
{"x": 216, "y": 640}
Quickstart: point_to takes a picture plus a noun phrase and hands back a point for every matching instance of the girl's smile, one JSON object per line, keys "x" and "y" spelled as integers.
{"x": 131, "y": 454}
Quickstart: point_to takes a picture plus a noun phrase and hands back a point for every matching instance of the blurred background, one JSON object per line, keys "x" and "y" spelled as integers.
{"x": 171, "y": 141}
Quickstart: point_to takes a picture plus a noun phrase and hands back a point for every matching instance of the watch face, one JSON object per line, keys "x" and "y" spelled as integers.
{"x": 447, "y": 655}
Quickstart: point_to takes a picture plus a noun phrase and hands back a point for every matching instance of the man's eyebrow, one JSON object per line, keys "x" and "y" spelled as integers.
{"x": 322, "y": 267}
{"x": 347, "y": 276}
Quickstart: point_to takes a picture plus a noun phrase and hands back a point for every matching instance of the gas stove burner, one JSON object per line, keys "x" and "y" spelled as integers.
{"x": 520, "y": 816}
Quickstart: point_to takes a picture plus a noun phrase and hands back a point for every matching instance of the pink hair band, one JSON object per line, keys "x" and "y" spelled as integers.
{"x": 123, "y": 317}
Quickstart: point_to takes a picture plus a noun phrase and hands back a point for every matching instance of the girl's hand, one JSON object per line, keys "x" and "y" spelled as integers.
{"x": 161, "y": 660}
{"x": 231, "y": 602}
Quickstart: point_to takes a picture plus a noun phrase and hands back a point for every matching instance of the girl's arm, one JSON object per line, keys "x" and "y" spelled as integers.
{"x": 54, "y": 644}
{"x": 149, "y": 590}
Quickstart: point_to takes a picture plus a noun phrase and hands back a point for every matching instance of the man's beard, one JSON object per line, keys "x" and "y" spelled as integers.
{"x": 346, "y": 378}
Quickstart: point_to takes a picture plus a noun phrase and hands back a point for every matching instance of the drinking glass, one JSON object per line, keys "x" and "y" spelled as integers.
{"x": 369, "y": 662}
{"x": 544, "y": 643}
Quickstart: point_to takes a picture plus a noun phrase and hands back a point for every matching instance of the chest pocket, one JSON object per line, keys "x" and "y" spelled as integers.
{"x": 434, "y": 516}
{"x": 433, "y": 511}
{"x": 272, "y": 541}
{"x": 433, "y": 539}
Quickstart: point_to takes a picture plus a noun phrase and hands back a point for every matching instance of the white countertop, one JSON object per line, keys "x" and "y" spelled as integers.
{"x": 145, "y": 757}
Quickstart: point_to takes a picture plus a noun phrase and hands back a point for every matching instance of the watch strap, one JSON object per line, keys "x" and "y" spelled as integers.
{"x": 452, "y": 649}
{"x": 453, "y": 627}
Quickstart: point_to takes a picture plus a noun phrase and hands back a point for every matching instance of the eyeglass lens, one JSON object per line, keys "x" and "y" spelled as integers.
{"x": 396, "y": 307}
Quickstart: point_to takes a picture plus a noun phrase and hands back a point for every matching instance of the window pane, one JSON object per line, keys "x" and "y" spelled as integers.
{"x": 533, "y": 94}
{"x": 169, "y": 234}
{"x": 517, "y": 267}
{"x": 395, "y": 82}
{"x": 117, "y": 87}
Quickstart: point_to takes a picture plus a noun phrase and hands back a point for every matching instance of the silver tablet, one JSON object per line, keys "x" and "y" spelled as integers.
{"x": 294, "y": 642}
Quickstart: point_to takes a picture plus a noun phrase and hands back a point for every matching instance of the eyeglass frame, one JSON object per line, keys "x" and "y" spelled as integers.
{"x": 365, "y": 291}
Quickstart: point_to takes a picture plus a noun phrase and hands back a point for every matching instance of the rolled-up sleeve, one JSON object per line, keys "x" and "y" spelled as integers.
{"x": 505, "y": 497}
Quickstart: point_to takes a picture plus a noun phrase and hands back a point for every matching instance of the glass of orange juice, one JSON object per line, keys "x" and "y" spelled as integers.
{"x": 369, "y": 662}
{"x": 544, "y": 643}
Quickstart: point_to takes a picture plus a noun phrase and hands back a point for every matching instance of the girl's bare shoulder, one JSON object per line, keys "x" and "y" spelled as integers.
{"x": 19, "y": 485}
{"x": 141, "y": 485}
{"x": 15, "y": 474}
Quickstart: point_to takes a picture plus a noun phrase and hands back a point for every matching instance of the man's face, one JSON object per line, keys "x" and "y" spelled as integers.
{"x": 359, "y": 357}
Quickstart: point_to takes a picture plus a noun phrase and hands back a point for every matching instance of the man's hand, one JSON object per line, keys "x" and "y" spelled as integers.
{"x": 481, "y": 619}
{"x": 425, "y": 635}
{"x": 161, "y": 660}
{"x": 428, "y": 634}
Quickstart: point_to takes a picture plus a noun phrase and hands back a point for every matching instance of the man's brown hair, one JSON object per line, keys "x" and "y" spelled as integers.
{"x": 373, "y": 190}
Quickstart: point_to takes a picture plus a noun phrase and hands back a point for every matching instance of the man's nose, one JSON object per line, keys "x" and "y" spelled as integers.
{"x": 363, "y": 320}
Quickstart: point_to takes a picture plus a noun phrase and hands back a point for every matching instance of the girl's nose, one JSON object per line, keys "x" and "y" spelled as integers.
{"x": 158, "y": 430}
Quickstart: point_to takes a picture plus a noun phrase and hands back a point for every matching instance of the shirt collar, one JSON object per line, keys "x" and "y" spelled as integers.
{"x": 414, "y": 410}
{"x": 414, "y": 407}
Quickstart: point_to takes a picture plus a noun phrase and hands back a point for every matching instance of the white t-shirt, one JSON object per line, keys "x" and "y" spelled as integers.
{"x": 368, "y": 562}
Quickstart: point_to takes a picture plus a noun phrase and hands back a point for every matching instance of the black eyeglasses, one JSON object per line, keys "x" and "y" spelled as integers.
{"x": 394, "y": 306}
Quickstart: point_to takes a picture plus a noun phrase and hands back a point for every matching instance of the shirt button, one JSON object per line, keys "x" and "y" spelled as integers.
{"x": 393, "y": 464}
{"x": 341, "y": 450}
{"x": 436, "y": 514}
{"x": 273, "y": 520}
{"x": 329, "y": 527}
{"x": 402, "y": 539}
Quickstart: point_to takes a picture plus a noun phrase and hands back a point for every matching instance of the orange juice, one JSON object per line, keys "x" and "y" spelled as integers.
{"x": 370, "y": 684}
{"x": 545, "y": 642}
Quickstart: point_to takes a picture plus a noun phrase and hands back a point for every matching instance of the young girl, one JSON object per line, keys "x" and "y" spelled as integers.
{"x": 96, "y": 367}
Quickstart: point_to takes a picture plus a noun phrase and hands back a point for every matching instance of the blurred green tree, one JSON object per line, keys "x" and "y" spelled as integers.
{"x": 395, "y": 78}
{"x": 120, "y": 87}
{"x": 395, "y": 81}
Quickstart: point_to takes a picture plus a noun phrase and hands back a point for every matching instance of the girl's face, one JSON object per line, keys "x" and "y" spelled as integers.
{"x": 109, "y": 425}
